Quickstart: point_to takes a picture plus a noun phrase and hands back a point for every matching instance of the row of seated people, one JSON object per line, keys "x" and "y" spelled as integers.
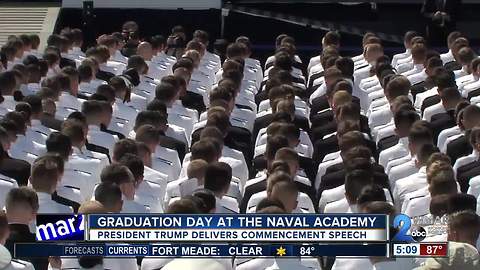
{"x": 416, "y": 118}
{"x": 143, "y": 133}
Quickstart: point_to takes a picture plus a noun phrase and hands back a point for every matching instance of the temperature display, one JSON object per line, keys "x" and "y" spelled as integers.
{"x": 420, "y": 250}
{"x": 433, "y": 249}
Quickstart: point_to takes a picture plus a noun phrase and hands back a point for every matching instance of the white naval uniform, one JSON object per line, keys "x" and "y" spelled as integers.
{"x": 6, "y": 184}
{"x": 49, "y": 206}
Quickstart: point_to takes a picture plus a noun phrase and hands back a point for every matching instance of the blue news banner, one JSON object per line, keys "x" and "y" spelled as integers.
{"x": 165, "y": 235}
{"x": 196, "y": 250}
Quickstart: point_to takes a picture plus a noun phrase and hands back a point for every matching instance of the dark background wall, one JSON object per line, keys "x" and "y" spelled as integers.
{"x": 388, "y": 18}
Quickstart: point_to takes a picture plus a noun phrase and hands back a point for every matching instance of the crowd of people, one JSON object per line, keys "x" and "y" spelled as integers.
{"x": 162, "y": 125}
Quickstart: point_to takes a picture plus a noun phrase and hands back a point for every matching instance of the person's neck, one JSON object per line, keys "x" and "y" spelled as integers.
{"x": 18, "y": 219}
{"x": 94, "y": 123}
{"x": 79, "y": 145}
{"x": 449, "y": 107}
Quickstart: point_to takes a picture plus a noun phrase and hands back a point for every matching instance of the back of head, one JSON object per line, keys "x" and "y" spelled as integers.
{"x": 92, "y": 109}
{"x": 117, "y": 174}
{"x": 166, "y": 92}
{"x": 218, "y": 176}
{"x": 466, "y": 55}
{"x": 123, "y": 147}
{"x": 420, "y": 133}
{"x": 60, "y": 144}
{"x": 270, "y": 206}
{"x": 471, "y": 116}
{"x": 424, "y": 153}
{"x": 92, "y": 207}
{"x": 351, "y": 139}
{"x": 274, "y": 144}
{"x": 110, "y": 196}
{"x": 371, "y": 193}
{"x": 205, "y": 150}
{"x": 154, "y": 118}
{"x": 464, "y": 227}
{"x": 196, "y": 169}
{"x": 443, "y": 182}
{"x": 419, "y": 52}
{"x": 21, "y": 200}
{"x": 439, "y": 205}
{"x": 444, "y": 78}
{"x": 207, "y": 200}
{"x": 287, "y": 193}
{"x": 135, "y": 164}
{"x": 148, "y": 134}
{"x": 355, "y": 181}
{"x": 331, "y": 38}
{"x": 183, "y": 206}
{"x": 461, "y": 202}
{"x": 45, "y": 175}
{"x": 398, "y": 86}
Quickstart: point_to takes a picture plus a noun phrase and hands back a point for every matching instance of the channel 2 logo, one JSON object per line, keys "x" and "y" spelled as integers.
{"x": 404, "y": 224}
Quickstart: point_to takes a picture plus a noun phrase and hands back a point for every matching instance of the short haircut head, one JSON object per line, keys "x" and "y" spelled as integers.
{"x": 371, "y": 193}
{"x": 439, "y": 205}
{"x": 355, "y": 181}
{"x": 218, "y": 176}
{"x": 148, "y": 134}
{"x": 274, "y": 144}
{"x": 108, "y": 194}
{"x": 117, "y": 174}
{"x": 183, "y": 206}
{"x": 165, "y": 92}
{"x": 425, "y": 151}
{"x": 35, "y": 103}
{"x": 45, "y": 174}
{"x": 275, "y": 178}
{"x": 461, "y": 202}
{"x": 207, "y": 200}
{"x": 134, "y": 163}
{"x": 270, "y": 206}
{"x": 59, "y": 143}
{"x": 122, "y": 147}
{"x": 206, "y": 150}
{"x": 21, "y": 198}
{"x": 398, "y": 86}
{"x": 196, "y": 169}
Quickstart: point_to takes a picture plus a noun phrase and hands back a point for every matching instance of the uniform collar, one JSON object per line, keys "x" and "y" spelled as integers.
{"x": 94, "y": 127}
{"x": 35, "y": 123}
{"x": 218, "y": 203}
{"x": 422, "y": 170}
{"x": 8, "y": 98}
{"x": 44, "y": 195}
{"x": 353, "y": 208}
{"x": 403, "y": 142}
{"x": 418, "y": 67}
{"x": 77, "y": 151}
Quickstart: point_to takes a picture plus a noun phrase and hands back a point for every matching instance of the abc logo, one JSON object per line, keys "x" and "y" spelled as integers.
{"x": 418, "y": 234}
{"x": 407, "y": 233}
